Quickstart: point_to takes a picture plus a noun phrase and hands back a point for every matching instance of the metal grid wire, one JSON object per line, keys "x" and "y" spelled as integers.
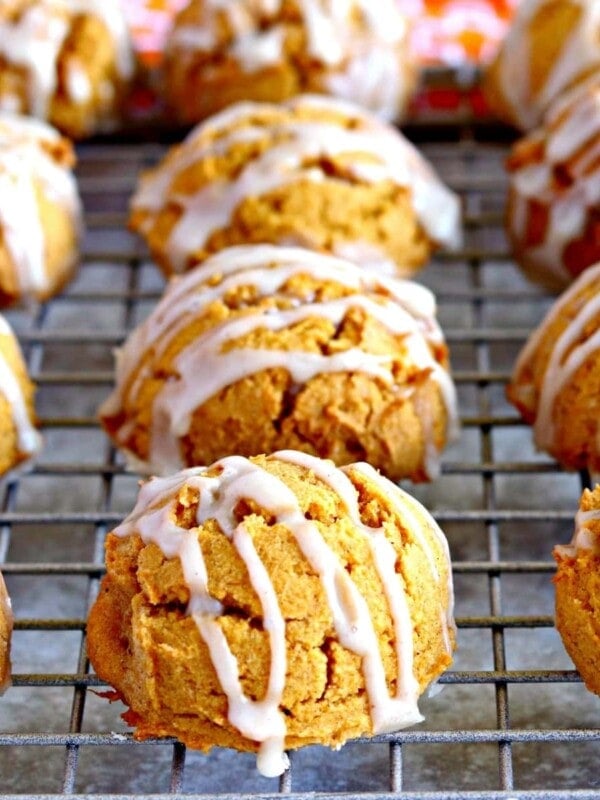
{"x": 513, "y": 720}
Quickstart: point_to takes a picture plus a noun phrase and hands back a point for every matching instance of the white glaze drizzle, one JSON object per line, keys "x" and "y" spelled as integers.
{"x": 390, "y": 157}
{"x": 579, "y": 53}
{"x": 561, "y": 367}
{"x": 239, "y": 478}
{"x": 25, "y": 164}
{"x": 202, "y": 368}
{"x": 28, "y": 438}
{"x": 415, "y": 516}
{"x": 570, "y": 140}
{"x": 35, "y": 39}
{"x": 584, "y": 539}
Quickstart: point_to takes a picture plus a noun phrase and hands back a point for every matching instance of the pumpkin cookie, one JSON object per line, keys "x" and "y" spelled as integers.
{"x": 313, "y": 172}
{"x": 221, "y": 53}
{"x": 267, "y": 348}
{"x": 40, "y": 211}
{"x": 272, "y": 603}
{"x": 66, "y": 62}
{"x": 19, "y": 439}
{"x": 556, "y": 381}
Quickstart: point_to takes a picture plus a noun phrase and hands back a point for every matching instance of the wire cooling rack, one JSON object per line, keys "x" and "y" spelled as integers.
{"x": 513, "y": 719}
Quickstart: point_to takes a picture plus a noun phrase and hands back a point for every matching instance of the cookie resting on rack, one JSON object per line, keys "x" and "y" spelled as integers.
{"x": 556, "y": 380}
{"x": 553, "y": 212}
{"x": 271, "y": 603}
{"x": 6, "y": 626}
{"x": 40, "y": 211}
{"x": 270, "y": 50}
{"x": 313, "y": 172}
{"x": 19, "y": 439}
{"x": 69, "y": 62}
{"x": 577, "y": 585}
{"x": 550, "y": 45}
{"x": 267, "y": 348}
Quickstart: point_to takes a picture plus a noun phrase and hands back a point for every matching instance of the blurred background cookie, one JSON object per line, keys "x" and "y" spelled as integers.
{"x": 550, "y": 45}
{"x": 19, "y": 439}
{"x": 270, "y": 50}
{"x": 40, "y": 210}
{"x": 272, "y": 603}
{"x": 556, "y": 381}
{"x": 553, "y": 213}
{"x": 67, "y": 62}
{"x": 266, "y": 348}
{"x": 314, "y": 172}
{"x": 456, "y": 32}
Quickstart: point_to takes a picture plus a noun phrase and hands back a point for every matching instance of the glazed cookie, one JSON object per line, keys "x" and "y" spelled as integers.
{"x": 556, "y": 381}
{"x": 65, "y": 61}
{"x": 314, "y": 172}
{"x": 272, "y": 603}
{"x": 553, "y": 213}
{"x": 19, "y": 439}
{"x": 40, "y": 210}
{"x": 270, "y": 50}
{"x": 6, "y": 625}
{"x": 550, "y": 45}
{"x": 578, "y": 591}
{"x": 268, "y": 348}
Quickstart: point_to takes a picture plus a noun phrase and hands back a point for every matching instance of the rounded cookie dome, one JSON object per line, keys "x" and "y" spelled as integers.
{"x": 40, "y": 210}
{"x": 271, "y": 603}
{"x": 553, "y": 212}
{"x": 267, "y": 348}
{"x": 19, "y": 440}
{"x": 270, "y": 50}
{"x": 556, "y": 380}
{"x": 313, "y": 172}
{"x": 69, "y": 62}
